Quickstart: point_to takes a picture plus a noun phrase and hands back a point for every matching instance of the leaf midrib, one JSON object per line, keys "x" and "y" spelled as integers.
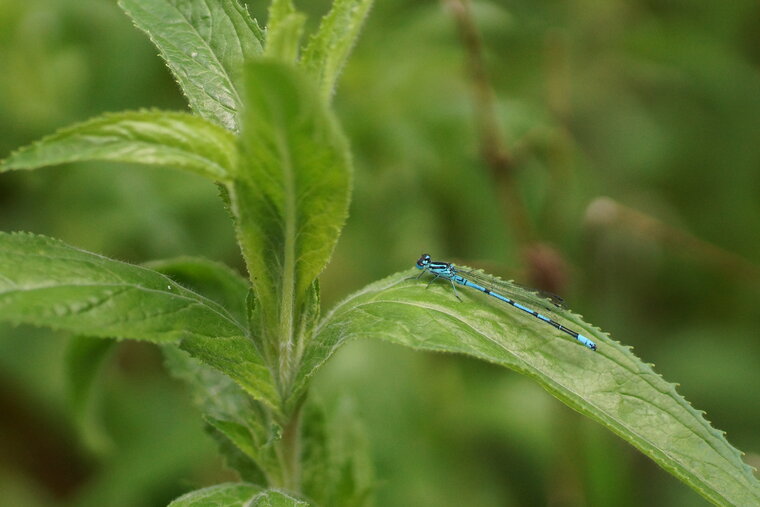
{"x": 197, "y": 300}
{"x": 611, "y": 421}
{"x": 287, "y": 287}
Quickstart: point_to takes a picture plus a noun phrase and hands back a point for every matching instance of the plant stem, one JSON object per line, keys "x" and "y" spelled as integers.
{"x": 289, "y": 452}
{"x": 546, "y": 268}
{"x": 493, "y": 149}
{"x": 289, "y": 283}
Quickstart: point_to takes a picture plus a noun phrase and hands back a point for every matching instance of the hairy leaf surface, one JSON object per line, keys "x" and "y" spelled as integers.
{"x": 232, "y": 494}
{"x": 610, "y": 385}
{"x": 284, "y": 30}
{"x": 237, "y": 494}
{"x": 204, "y": 43}
{"x": 275, "y": 498}
{"x": 329, "y": 47}
{"x": 45, "y": 282}
{"x": 292, "y": 197}
{"x": 213, "y": 280}
{"x": 161, "y": 138}
{"x": 230, "y": 411}
{"x": 248, "y": 430}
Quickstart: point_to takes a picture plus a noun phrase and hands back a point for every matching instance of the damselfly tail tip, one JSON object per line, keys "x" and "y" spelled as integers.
{"x": 585, "y": 341}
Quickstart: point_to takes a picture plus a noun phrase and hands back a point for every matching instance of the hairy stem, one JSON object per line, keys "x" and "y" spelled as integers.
{"x": 289, "y": 451}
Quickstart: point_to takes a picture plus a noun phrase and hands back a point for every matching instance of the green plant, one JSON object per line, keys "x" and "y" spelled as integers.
{"x": 264, "y": 132}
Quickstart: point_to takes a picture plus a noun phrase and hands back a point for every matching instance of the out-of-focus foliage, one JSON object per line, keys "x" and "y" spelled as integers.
{"x": 654, "y": 104}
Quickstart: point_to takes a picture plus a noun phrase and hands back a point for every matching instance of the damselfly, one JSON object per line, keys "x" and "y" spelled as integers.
{"x": 476, "y": 281}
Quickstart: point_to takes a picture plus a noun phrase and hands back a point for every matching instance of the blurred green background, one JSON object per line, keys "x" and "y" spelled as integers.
{"x": 653, "y": 104}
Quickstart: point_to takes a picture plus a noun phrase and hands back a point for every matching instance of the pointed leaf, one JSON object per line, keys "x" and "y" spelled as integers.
{"x": 229, "y": 410}
{"x": 214, "y": 393}
{"x": 284, "y": 30}
{"x": 237, "y": 357}
{"x": 241, "y": 426}
{"x": 204, "y": 44}
{"x": 283, "y": 39}
{"x": 274, "y": 498}
{"x": 84, "y": 355}
{"x": 279, "y": 10}
{"x": 610, "y": 385}
{"x": 329, "y": 47}
{"x": 48, "y": 283}
{"x": 179, "y": 140}
{"x": 220, "y": 284}
{"x": 232, "y": 494}
{"x": 82, "y": 362}
{"x": 292, "y": 197}
{"x": 238, "y": 433}
{"x": 45, "y": 282}
{"x": 211, "y": 279}
{"x": 335, "y": 458}
{"x": 237, "y": 460}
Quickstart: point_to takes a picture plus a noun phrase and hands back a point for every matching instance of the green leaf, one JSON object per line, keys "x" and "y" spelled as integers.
{"x": 48, "y": 283}
{"x": 214, "y": 393}
{"x": 231, "y": 412}
{"x": 318, "y": 469}
{"x": 274, "y": 498}
{"x": 278, "y": 11}
{"x": 212, "y": 279}
{"x": 84, "y": 355}
{"x": 292, "y": 196}
{"x": 204, "y": 44}
{"x": 83, "y": 359}
{"x": 236, "y": 494}
{"x": 237, "y": 460}
{"x": 284, "y": 30}
{"x": 283, "y": 43}
{"x": 179, "y": 140}
{"x": 335, "y": 458}
{"x": 222, "y": 285}
{"x": 237, "y": 357}
{"x": 238, "y": 433}
{"x": 329, "y": 47}
{"x": 611, "y": 385}
{"x": 232, "y": 494}
{"x": 45, "y": 282}
{"x": 242, "y": 428}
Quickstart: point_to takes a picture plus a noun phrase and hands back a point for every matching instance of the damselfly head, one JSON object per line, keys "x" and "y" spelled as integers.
{"x": 423, "y": 261}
